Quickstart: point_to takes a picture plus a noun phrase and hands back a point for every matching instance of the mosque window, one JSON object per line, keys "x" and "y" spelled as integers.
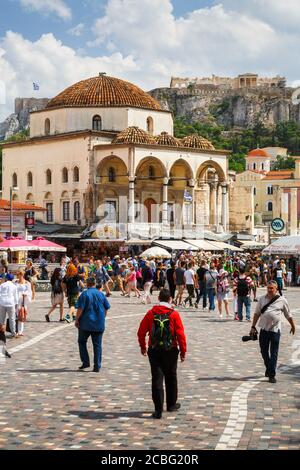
{"x": 65, "y": 175}
{"x": 254, "y": 166}
{"x": 47, "y": 126}
{"x": 48, "y": 177}
{"x": 97, "y": 123}
{"x": 77, "y": 210}
{"x": 150, "y": 125}
{"x": 270, "y": 206}
{"x": 151, "y": 172}
{"x": 29, "y": 179}
{"x": 14, "y": 180}
{"x": 111, "y": 175}
{"x": 76, "y": 174}
{"x": 254, "y": 191}
{"x": 270, "y": 190}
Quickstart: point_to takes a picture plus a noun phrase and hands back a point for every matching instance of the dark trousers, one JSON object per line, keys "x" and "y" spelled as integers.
{"x": 172, "y": 288}
{"x": 279, "y": 284}
{"x": 201, "y": 292}
{"x": 83, "y": 336}
{"x": 269, "y": 347}
{"x": 191, "y": 292}
{"x": 164, "y": 366}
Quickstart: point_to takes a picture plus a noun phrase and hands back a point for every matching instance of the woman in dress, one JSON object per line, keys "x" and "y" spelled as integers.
{"x": 222, "y": 292}
{"x": 57, "y": 295}
{"x": 25, "y": 297}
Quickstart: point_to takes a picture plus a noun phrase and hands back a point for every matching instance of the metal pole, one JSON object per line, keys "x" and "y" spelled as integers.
{"x": 11, "y": 212}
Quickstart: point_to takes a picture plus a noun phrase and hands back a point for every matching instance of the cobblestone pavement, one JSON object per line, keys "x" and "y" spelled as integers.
{"x": 226, "y": 401}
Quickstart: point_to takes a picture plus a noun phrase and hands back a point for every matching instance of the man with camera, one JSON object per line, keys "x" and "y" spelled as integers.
{"x": 269, "y": 312}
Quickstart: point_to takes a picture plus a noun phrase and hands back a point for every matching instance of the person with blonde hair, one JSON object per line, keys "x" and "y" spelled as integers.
{"x": 31, "y": 275}
{"x": 71, "y": 287}
{"x": 24, "y": 300}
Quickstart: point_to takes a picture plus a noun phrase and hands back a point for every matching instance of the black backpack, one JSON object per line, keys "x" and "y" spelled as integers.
{"x": 242, "y": 288}
{"x": 162, "y": 338}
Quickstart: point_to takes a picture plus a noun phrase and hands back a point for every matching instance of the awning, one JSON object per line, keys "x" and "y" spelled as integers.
{"x": 138, "y": 241}
{"x": 289, "y": 245}
{"x": 204, "y": 245}
{"x": 226, "y": 246}
{"x": 98, "y": 240}
{"x": 251, "y": 245}
{"x": 175, "y": 245}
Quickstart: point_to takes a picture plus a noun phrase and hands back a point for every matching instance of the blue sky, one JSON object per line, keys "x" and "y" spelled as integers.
{"x": 59, "y": 42}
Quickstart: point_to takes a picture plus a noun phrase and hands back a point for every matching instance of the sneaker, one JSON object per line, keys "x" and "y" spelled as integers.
{"x": 221, "y": 316}
{"x": 174, "y": 408}
{"x": 83, "y": 367}
{"x": 7, "y": 355}
{"x": 272, "y": 380}
{"x": 157, "y": 415}
{"x": 248, "y": 319}
{"x": 47, "y": 318}
{"x": 96, "y": 369}
{"x": 196, "y": 305}
{"x": 67, "y": 319}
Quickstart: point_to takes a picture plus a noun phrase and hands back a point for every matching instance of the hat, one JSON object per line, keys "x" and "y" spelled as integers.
{"x": 9, "y": 277}
{"x": 117, "y": 257}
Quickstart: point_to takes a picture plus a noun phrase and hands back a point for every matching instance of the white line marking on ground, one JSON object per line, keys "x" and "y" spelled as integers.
{"x": 37, "y": 339}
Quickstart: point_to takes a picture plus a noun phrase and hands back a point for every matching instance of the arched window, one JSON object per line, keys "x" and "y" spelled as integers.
{"x": 76, "y": 174}
{"x": 150, "y": 125}
{"x": 47, "y": 126}
{"x": 111, "y": 175}
{"x": 77, "y": 210}
{"x": 97, "y": 123}
{"x": 254, "y": 191}
{"x": 29, "y": 179}
{"x": 15, "y": 197}
{"x": 29, "y": 198}
{"x": 48, "y": 177}
{"x": 65, "y": 175}
{"x": 254, "y": 166}
{"x": 262, "y": 167}
{"x": 15, "y": 180}
{"x": 151, "y": 172}
{"x": 270, "y": 206}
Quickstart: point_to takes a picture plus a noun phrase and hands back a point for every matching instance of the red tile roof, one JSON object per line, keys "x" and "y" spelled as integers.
{"x": 279, "y": 175}
{"x": 259, "y": 153}
{"x": 20, "y": 206}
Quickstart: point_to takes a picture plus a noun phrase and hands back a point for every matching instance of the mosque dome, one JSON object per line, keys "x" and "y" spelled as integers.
{"x": 134, "y": 135}
{"x": 198, "y": 142}
{"x": 166, "y": 139}
{"x": 104, "y": 91}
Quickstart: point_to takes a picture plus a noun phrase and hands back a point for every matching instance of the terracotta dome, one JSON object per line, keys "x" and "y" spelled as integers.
{"x": 198, "y": 142}
{"x": 134, "y": 135}
{"x": 166, "y": 139}
{"x": 104, "y": 91}
{"x": 258, "y": 153}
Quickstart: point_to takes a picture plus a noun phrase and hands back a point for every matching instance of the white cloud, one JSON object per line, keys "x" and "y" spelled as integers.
{"x": 77, "y": 30}
{"x": 58, "y": 7}
{"x": 52, "y": 65}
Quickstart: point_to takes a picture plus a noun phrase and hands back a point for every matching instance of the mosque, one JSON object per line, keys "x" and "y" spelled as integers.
{"x": 103, "y": 154}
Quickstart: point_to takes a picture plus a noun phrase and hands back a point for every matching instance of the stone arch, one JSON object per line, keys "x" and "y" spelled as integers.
{"x": 111, "y": 164}
{"x": 157, "y": 167}
{"x": 76, "y": 193}
{"x": 212, "y": 166}
{"x": 15, "y": 197}
{"x": 48, "y": 197}
{"x": 64, "y": 195}
{"x": 29, "y": 197}
{"x": 180, "y": 174}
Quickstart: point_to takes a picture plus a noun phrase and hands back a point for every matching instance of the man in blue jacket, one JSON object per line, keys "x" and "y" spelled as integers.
{"x": 90, "y": 321}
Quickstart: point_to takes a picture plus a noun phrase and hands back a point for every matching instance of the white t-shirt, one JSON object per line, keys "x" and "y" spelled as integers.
{"x": 189, "y": 277}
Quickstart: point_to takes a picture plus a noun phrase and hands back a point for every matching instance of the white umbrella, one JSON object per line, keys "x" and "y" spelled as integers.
{"x": 156, "y": 252}
{"x": 284, "y": 246}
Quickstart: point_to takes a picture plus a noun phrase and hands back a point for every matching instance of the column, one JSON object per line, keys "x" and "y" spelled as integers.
{"x": 224, "y": 206}
{"x": 131, "y": 211}
{"x": 192, "y": 189}
{"x": 213, "y": 203}
{"x": 294, "y": 212}
{"x": 165, "y": 202}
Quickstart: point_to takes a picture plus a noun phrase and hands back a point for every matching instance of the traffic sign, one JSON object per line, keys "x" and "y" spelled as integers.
{"x": 277, "y": 225}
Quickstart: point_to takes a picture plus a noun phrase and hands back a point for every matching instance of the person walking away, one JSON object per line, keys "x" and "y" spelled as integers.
{"x": 201, "y": 291}
{"x": 8, "y": 302}
{"x": 25, "y": 296}
{"x": 180, "y": 282}
{"x": 166, "y": 332}
{"x": 131, "y": 283}
{"x": 242, "y": 288}
{"x": 71, "y": 287}
{"x": 190, "y": 282}
{"x": 171, "y": 280}
{"x": 269, "y": 311}
{"x": 90, "y": 321}
{"x": 147, "y": 274}
{"x": 211, "y": 286}
{"x": 277, "y": 276}
{"x": 159, "y": 278}
{"x": 57, "y": 295}
{"x": 223, "y": 292}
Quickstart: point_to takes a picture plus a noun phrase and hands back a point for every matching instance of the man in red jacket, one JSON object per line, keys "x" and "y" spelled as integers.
{"x": 166, "y": 332}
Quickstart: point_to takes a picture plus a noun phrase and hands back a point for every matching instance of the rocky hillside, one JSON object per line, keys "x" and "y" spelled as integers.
{"x": 19, "y": 120}
{"x": 231, "y": 109}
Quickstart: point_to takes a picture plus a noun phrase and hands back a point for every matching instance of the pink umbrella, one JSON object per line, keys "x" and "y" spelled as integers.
{"x": 15, "y": 244}
{"x": 41, "y": 244}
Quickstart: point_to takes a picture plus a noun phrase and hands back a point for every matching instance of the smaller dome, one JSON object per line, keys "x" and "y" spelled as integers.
{"x": 166, "y": 139}
{"x": 258, "y": 153}
{"x": 134, "y": 135}
{"x": 198, "y": 142}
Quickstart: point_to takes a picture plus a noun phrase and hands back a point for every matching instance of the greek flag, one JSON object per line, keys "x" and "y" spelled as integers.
{"x": 36, "y": 87}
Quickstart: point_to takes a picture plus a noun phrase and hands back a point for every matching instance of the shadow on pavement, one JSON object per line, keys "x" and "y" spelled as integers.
{"x": 224, "y": 379}
{"x": 55, "y": 371}
{"x": 113, "y": 415}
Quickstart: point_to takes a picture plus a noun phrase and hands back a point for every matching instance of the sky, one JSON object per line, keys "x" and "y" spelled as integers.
{"x": 56, "y": 43}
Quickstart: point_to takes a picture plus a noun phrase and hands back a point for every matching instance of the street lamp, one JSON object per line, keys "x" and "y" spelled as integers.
{"x": 12, "y": 189}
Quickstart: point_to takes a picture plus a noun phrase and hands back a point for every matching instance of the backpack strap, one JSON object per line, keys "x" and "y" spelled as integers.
{"x": 263, "y": 310}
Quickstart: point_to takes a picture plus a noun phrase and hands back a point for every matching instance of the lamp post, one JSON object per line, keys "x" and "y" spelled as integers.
{"x": 12, "y": 189}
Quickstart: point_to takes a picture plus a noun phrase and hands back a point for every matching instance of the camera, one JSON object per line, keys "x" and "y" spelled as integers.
{"x": 252, "y": 337}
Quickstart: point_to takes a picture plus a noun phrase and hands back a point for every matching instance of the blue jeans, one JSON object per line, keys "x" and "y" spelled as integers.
{"x": 269, "y": 347}
{"x": 247, "y": 302}
{"x": 202, "y": 292}
{"x": 83, "y": 336}
{"x": 211, "y": 293}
